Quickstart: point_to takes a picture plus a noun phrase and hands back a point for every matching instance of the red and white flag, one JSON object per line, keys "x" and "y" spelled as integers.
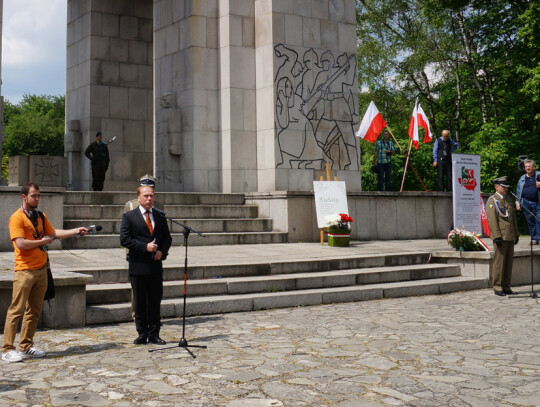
{"x": 371, "y": 125}
{"x": 419, "y": 118}
{"x": 483, "y": 217}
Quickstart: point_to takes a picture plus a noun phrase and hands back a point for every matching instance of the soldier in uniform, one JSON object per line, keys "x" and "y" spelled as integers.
{"x": 98, "y": 153}
{"x": 504, "y": 232}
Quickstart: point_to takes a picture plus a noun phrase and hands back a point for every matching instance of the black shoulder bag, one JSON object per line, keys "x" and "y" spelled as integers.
{"x": 50, "y": 293}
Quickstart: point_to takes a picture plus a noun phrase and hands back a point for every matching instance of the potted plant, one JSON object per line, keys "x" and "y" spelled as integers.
{"x": 338, "y": 229}
{"x": 465, "y": 241}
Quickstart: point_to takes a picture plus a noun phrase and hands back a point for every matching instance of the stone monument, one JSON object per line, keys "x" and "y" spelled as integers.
{"x": 214, "y": 96}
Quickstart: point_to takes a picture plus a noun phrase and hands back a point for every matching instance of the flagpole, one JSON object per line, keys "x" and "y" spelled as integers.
{"x": 412, "y": 168}
{"x": 406, "y": 163}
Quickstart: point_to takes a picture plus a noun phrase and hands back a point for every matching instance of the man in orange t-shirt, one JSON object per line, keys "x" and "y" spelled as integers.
{"x": 29, "y": 233}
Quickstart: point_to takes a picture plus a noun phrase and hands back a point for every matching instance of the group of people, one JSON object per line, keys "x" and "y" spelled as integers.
{"x": 442, "y": 160}
{"x": 144, "y": 232}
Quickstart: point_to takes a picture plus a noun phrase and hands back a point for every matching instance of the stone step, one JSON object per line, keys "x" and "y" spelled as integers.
{"x": 101, "y": 241}
{"x": 171, "y": 308}
{"x": 95, "y": 212}
{"x": 176, "y": 272}
{"x": 121, "y": 292}
{"x": 112, "y": 226}
{"x": 165, "y": 198}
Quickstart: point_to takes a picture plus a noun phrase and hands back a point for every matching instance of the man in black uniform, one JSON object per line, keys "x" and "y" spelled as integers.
{"x": 98, "y": 154}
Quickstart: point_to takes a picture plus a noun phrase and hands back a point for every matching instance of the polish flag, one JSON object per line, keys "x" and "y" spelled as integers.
{"x": 483, "y": 217}
{"x": 419, "y": 118}
{"x": 371, "y": 125}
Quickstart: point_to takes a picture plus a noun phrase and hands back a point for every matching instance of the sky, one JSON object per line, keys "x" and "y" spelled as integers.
{"x": 33, "y": 48}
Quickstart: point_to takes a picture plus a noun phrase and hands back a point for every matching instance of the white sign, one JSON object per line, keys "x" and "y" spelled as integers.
{"x": 466, "y": 192}
{"x": 330, "y": 199}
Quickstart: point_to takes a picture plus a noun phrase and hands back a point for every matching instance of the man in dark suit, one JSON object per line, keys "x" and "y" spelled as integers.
{"x": 145, "y": 233}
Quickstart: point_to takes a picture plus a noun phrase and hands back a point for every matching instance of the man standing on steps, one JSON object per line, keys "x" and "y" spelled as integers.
{"x": 504, "y": 232}
{"x": 145, "y": 233}
{"x": 442, "y": 159}
{"x": 98, "y": 153}
{"x": 30, "y": 231}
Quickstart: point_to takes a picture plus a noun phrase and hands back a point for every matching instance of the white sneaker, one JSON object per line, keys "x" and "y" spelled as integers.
{"x": 32, "y": 353}
{"x": 12, "y": 356}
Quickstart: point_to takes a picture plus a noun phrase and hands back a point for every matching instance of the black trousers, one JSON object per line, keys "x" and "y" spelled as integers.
{"x": 147, "y": 294}
{"x": 444, "y": 168}
{"x": 98, "y": 176}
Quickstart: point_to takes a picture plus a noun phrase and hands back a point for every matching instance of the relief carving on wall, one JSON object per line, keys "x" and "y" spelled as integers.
{"x": 316, "y": 109}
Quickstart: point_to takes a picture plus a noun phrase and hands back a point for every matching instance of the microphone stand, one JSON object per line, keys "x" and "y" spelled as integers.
{"x": 183, "y": 343}
{"x": 532, "y": 294}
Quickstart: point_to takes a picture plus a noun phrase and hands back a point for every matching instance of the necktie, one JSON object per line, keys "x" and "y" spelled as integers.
{"x": 149, "y": 222}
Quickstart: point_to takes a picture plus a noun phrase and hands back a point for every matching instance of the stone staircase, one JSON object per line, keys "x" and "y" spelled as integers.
{"x": 250, "y": 287}
{"x": 222, "y": 218}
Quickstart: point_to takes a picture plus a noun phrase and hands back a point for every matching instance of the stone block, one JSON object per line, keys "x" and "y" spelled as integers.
{"x": 145, "y": 29}
{"x": 212, "y": 39}
{"x": 111, "y": 128}
{"x": 160, "y": 43}
{"x": 249, "y": 110}
{"x": 138, "y": 102}
{"x": 293, "y": 30}
{"x": 19, "y": 170}
{"x": 319, "y": 9}
{"x": 351, "y": 294}
{"x": 329, "y": 35}
{"x": 212, "y": 104}
{"x": 242, "y": 8}
{"x": 47, "y": 170}
{"x": 302, "y": 7}
{"x": 235, "y": 30}
{"x": 265, "y": 109}
{"x": 406, "y": 221}
{"x": 99, "y": 101}
{"x": 171, "y": 39}
{"x": 266, "y": 30}
{"x": 336, "y": 9}
{"x": 129, "y": 27}
{"x": 129, "y": 75}
{"x": 283, "y": 300}
{"x": 347, "y": 38}
{"x": 134, "y": 135}
{"x": 138, "y": 52}
{"x": 282, "y": 6}
{"x": 99, "y": 48}
{"x": 166, "y": 12}
{"x": 110, "y": 25}
{"x": 407, "y": 289}
{"x": 365, "y": 210}
{"x": 425, "y": 215}
{"x": 264, "y": 66}
{"x": 110, "y": 73}
{"x": 204, "y": 68}
{"x": 248, "y": 32}
{"x": 386, "y": 209}
{"x": 311, "y": 32}
{"x": 206, "y": 149}
{"x": 119, "y": 50}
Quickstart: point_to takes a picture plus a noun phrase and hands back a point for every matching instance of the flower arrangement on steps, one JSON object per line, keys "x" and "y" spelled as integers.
{"x": 338, "y": 229}
{"x": 463, "y": 240}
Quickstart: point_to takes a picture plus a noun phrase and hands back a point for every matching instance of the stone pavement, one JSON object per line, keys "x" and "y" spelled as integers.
{"x": 463, "y": 349}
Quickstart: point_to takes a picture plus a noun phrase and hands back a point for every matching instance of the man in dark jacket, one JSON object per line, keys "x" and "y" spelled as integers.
{"x": 145, "y": 232}
{"x": 98, "y": 154}
{"x": 442, "y": 159}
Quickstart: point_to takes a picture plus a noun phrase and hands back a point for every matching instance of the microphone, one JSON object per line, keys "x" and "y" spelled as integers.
{"x": 92, "y": 229}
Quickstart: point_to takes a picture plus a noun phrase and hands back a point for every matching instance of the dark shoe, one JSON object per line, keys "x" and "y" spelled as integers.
{"x": 156, "y": 340}
{"x": 500, "y": 293}
{"x": 140, "y": 340}
{"x": 509, "y": 292}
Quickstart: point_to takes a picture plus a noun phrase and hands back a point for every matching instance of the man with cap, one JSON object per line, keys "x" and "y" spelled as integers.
{"x": 502, "y": 221}
{"x": 98, "y": 153}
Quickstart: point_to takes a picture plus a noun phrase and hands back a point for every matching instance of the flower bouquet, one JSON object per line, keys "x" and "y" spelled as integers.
{"x": 463, "y": 240}
{"x": 338, "y": 229}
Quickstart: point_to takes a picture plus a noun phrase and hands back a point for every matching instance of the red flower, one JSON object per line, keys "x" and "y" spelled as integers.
{"x": 345, "y": 218}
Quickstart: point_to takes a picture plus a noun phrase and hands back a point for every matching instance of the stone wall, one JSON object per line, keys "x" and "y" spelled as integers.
{"x": 109, "y": 88}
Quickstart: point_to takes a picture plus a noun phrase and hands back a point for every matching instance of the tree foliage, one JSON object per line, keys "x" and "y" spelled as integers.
{"x": 473, "y": 65}
{"x": 35, "y": 125}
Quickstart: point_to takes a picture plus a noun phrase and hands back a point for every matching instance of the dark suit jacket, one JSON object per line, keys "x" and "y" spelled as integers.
{"x": 134, "y": 235}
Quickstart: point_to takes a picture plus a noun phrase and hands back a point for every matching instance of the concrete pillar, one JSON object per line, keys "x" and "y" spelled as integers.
{"x": 109, "y": 88}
